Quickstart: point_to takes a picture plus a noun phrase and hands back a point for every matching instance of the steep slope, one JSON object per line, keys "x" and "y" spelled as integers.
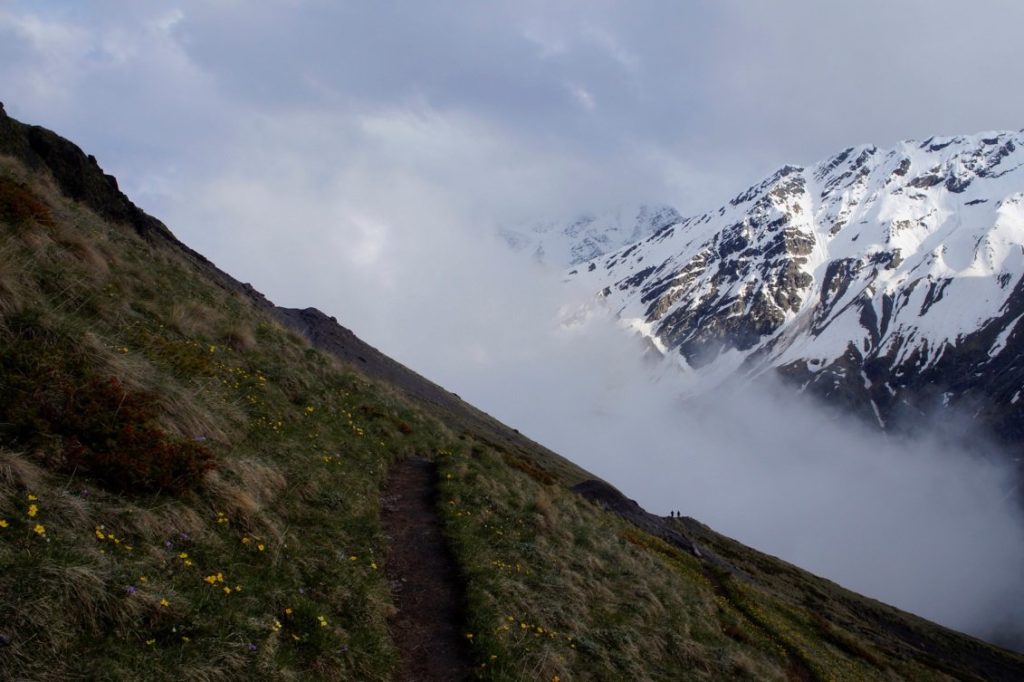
{"x": 190, "y": 489}
{"x": 887, "y": 281}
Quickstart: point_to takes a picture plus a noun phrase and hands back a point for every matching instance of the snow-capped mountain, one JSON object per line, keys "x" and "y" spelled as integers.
{"x": 589, "y": 235}
{"x": 888, "y": 281}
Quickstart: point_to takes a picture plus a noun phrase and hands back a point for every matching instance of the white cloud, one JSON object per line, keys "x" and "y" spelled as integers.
{"x": 344, "y": 156}
{"x": 583, "y": 96}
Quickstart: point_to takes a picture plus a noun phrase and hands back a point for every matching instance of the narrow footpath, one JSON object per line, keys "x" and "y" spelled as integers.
{"x": 428, "y": 626}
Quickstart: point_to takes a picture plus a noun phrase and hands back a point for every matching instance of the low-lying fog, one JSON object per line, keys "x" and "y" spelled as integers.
{"x": 408, "y": 260}
{"x": 918, "y": 524}
{"x": 364, "y": 174}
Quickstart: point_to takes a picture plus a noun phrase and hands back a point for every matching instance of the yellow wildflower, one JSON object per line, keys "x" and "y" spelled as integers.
{"x": 227, "y": 590}
{"x": 323, "y": 621}
{"x": 246, "y": 540}
{"x": 288, "y": 611}
{"x": 277, "y": 625}
{"x": 183, "y": 555}
{"x": 100, "y": 535}
{"x": 210, "y": 579}
{"x": 3, "y": 523}
{"x": 143, "y": 579}
{"x": 150, "y": 642}
{"x": 164, "y": 602}
{"x": 32, "y": 510}
{"x": 261, "y": 547}
{"x": 32, "y": 498}
{"x": 39, "y": 529}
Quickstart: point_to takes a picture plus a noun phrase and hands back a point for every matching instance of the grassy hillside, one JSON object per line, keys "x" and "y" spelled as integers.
{"x": 190, "y": 488}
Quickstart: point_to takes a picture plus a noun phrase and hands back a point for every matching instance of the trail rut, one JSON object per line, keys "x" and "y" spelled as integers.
{"x": 428, "y": 626}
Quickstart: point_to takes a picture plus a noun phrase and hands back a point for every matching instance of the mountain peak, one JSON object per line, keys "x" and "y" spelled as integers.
{"x": 588, "y": 235}
{"x": 881, "y": 278}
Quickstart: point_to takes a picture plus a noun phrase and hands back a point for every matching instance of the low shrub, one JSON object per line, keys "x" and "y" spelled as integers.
{"x": 19, "y": 205}
{"x": 110, "y": 434}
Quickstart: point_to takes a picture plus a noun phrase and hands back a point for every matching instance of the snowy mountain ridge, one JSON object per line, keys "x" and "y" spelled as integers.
{"x": 888, "y": 281}
{"x": 589, "y": 235}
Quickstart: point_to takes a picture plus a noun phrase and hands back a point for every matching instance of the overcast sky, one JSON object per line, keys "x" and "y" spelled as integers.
{"x": 289, "y": 138}
{"x": 358, "y": 156}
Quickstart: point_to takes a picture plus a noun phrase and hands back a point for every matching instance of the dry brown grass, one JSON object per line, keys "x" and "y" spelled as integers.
{"x": 239, "y": 337}
{"x": 13, "y": 293}
{"x": 169, "y": 520}
{"x": 193, "y": 319}
{"x": 263, "y": 481}
{"x": 85, "y": 250}
{"x": 82, "y": 591}
{"x": 546, "y": 512}
{"x": 38, "y": 242}
{"x": 131, "y": 369}
{"x": 744, "y": 668}
{"x": 17, "y": 471}
{"x": 224, "y": 666}
{"x": 186, "y": 411}
{"x": 70, "y": 511}
{"x": 234, "y": 500}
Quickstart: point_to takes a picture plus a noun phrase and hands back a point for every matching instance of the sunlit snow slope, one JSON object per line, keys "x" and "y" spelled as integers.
{"x": 888, "y": 281}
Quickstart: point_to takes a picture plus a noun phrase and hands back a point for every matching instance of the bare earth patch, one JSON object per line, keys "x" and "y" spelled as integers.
{"x": 427, "y": 628}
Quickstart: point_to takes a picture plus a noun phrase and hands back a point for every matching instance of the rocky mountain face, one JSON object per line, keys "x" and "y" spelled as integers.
{"x": 888, "y": 282}
{"x": 589, "y": 235}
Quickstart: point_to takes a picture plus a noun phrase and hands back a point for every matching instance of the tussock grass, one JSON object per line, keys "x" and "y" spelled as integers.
{"x": 556, "y": 588}
{"x": 268, "y": 563}
{"x": 18, "y": 472}
{"x": 230, "y": 576}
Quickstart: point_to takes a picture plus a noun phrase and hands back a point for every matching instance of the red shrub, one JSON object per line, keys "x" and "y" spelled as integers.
{"x": 18, "y": 204}
{"x": 110, "y": 433}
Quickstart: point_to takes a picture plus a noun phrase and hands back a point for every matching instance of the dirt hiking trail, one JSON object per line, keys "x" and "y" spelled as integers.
{"x": 428, "y": 626}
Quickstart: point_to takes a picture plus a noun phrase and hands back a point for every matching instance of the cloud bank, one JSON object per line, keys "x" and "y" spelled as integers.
{"x": 931, "y": 527}
{"x": 358, "y": 157}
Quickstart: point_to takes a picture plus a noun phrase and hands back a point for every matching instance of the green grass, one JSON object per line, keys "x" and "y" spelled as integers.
{"x": 280, "y": 508}
{"x": 558, "y": 588}
{"x": 190, "y": 491}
